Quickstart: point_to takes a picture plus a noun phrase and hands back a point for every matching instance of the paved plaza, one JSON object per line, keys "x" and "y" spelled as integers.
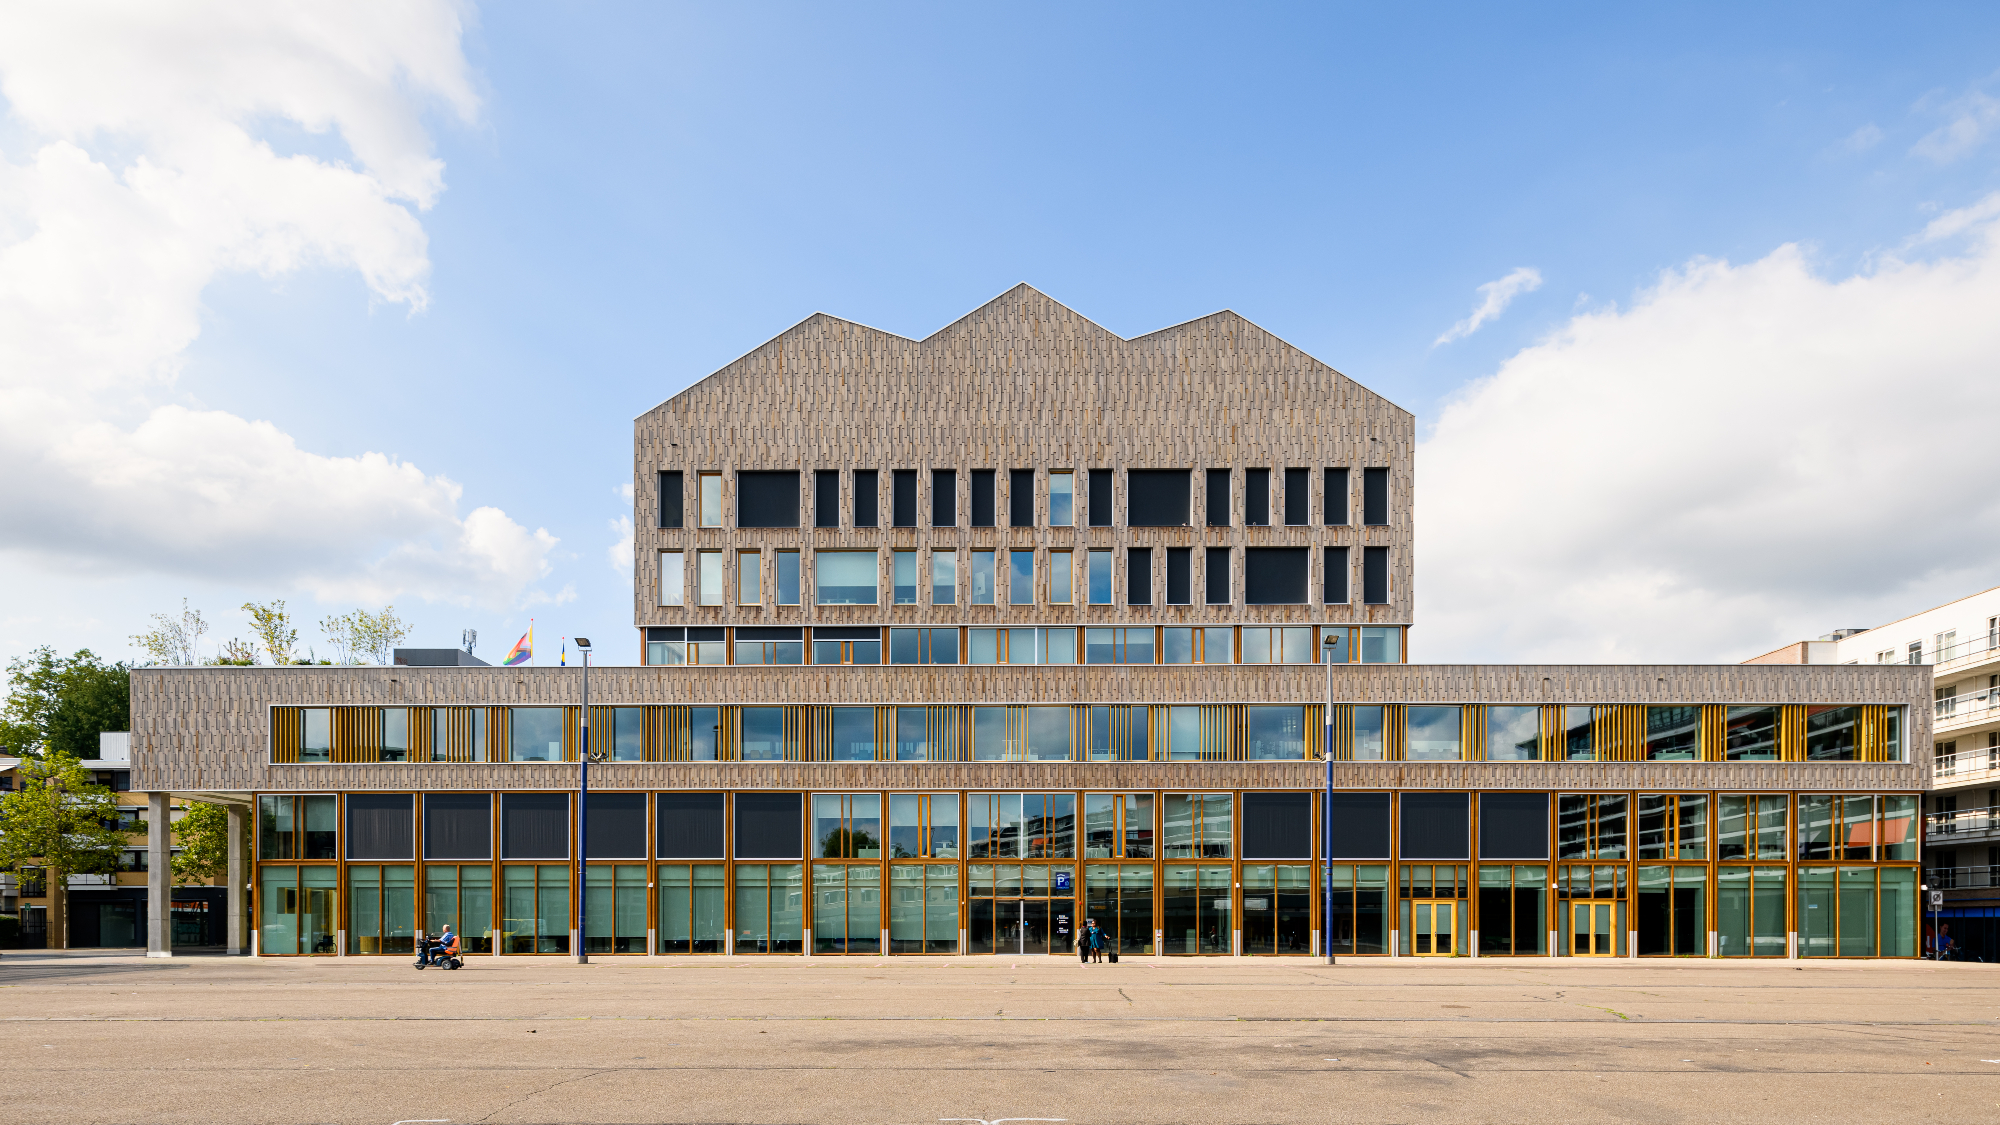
{"x": 102, "y": 1038}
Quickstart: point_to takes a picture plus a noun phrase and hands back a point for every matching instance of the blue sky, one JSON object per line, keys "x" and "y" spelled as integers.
{"x": 633, "y": 195}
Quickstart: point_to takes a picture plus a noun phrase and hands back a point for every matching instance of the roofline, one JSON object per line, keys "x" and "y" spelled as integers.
{"x": 1919, "y": 613}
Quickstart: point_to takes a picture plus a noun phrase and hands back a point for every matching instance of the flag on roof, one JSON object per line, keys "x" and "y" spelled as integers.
{"x": 523, "y": 650}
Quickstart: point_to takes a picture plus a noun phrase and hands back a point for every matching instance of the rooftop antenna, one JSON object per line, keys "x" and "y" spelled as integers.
{"x": 468, "y": 638}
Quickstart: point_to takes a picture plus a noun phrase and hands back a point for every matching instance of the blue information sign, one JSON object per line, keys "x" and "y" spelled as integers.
{"x": 1062, "y": 880}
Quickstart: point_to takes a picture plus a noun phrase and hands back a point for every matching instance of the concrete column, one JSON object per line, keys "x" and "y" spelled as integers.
{"x": 1472, "y": 943}
{"x": 159, "y": 876}
{"x": 238, "y": 879}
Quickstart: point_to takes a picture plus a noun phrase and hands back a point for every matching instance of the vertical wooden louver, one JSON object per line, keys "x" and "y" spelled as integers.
{"x": 1618, "y": 732}
{"x": 1553, "y": 749}
{"x": 1792, "y": 733}
{"x": 1714, "y": 731}
{"x": 287, "y": 731}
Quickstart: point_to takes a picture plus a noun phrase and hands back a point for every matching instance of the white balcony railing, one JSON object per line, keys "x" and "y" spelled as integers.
{"x": 1961, "y": 878}
{"x": 1962, "y": 822}
{"x": 1973, "y": 706}
{"x": 1979, "y": 759}
{"x": 1953, "y": 651}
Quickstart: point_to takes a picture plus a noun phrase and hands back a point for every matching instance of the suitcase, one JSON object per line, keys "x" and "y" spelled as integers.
{"x": 1114, "y": 957}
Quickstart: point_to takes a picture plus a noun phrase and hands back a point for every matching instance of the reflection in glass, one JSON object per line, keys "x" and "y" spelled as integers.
{"x": 844, "y": 577}
{"x": 903, "y": 576}
{"x": 1368, "y": 734}
{"x": 1673, "y": 733}
{"x": 1100, "y": 577}
{"x": 1751, "y": 734}
{"x": 763, "y": 734}
{"x": 1062, "y": 499}
{"x": 1513, "y": 734}
{"x": 1060, "y": 578}
{"x": 944, "y": 578}
{"x": 982, "y": 578}
{"x": 1433, "y": 734}
{"x": 1021, "y": 577}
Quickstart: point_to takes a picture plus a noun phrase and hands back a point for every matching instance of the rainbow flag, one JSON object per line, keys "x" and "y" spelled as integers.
{"x": 523, "y": 650}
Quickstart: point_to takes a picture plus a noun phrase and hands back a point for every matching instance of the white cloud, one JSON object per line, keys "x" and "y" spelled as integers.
{"x": 1973, "y": 117}
{"x": 144, "y": 180}
{"x": 1863, "y": 139}
{"x": 619, "y": 554}
{"x": 1495, "y": 296}
{"x": 1746, "y": 456}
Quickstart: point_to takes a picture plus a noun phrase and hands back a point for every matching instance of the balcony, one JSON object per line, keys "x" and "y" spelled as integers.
{"x": 1962, "y": 878}
{"x": 1956, "y": 657}
{"x": 1959, "y": 713}
{"x": 1941, "y": 829}
{"x": 1966, "y": 767}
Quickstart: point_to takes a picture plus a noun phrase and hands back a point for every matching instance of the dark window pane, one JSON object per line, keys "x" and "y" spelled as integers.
{"x": 1358, "y": 826}
{"x": 1277, "y": 826}
{"x": 903, "y": 504}
{"x": 1375, "y": 575}
{"x": 1216, "y": 500}
{"x": 1257, "y": 497}
{"x": 944, "y": 498}
{"x": 767, "y": 826}
{"x": 381, "y": 826}
{"x": 1275, "y": 575}
{"x": 534, "y": 826}
{"x": 1021, "y": 498}
{"x": 1514, "y": 826}
{"x": 1139, "y": 576}
{"x": 1180, "y": 582}
{"x": 617, "y": 826}
{"x": 670, "y": 499}
{"x": 1100, "y": 497}
{"x": 826, "y": 498}
{"x": 982, "y": 498}
{"x": 1298, "y": 497}
{"x": 767, "y": 499}
{"x": 690, "y": 825}
{"x": 458, "y": 826}
{"x": 1335, "y": 576}
{"x": 1830, "y": 733}
{"x": 1215, "y": 570}
{"x": 1335, "y": 503}
{"x": 1156, "y": 497}
{"x": 1435, "y": 826}
{"x": 867, "y": 495}
{"x": 1374, "y": 496}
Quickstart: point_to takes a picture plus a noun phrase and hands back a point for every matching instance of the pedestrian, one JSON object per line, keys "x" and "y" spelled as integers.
{"x": 1098, "y": 940}
{"x": 1083, "y": 940}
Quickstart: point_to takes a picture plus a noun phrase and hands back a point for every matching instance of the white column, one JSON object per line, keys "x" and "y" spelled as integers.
{"x": 238, "y": 878}
{"x": 1632, "y": 944}
{"x": 159, "y": 876}
{"x": 1472, "y": 943}
{"x": 1395, "y": 943}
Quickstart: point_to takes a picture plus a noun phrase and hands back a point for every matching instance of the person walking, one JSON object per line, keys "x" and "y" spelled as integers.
{"x": 1099, "y": 939}
{"x": 1083, "y": 933}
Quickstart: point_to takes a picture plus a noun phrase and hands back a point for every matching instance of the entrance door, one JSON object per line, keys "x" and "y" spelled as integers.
{"x": 1590, "y": 929}
{"x": 1433, "y": 925}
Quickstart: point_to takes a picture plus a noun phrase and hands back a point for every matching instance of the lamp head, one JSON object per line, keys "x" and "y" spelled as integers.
{"x": 583, "y": 643}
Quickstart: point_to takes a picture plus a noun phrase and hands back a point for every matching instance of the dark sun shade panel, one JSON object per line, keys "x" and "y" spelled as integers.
{"x": 826, "y": 498}
{"x": 1277, "y": 826}
{"x": 534, "y": 826}
{"x": 381, "y": 826}
{"x": 1275, "y": 575}
{"x": 1513, "y": 826}
{"x": 689, "y": 825}
{"x": 1435, "y": 826}
{"x": 617, "y": 826}
{"x": 1157, "y": 497}
{"x": 768, "y": 826}
{"x": 670, "y": 499}
{"x": 1357, "y": 826}
{"x": 767, "y": 498}
{"x": 458, "y": 826}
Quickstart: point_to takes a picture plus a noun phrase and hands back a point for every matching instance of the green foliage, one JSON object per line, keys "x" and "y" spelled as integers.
{"x": 57, "y": 705}
{"x": 203, "y": 834}
{"x": 273, "y": 626}
{"x": 173, "y": 640}
{"x": 362, "y": 637}
{"x": 235, "y": 652}
{"x": 57, "y": 820}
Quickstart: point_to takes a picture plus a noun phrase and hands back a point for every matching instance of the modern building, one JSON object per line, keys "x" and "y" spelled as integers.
{"x": 946, "y": 644}
{"x": 1960, "y": 643}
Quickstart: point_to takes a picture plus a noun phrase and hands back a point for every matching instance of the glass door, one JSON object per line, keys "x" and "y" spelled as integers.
{"x": 1196, "y": 909}
{"x": 1591, "y": 932}
{"x": 1433, "y": 925}
{"x": 1012, "y": 909}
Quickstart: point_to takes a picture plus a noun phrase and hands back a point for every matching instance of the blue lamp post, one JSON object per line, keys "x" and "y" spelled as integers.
{"x": 582, "y": 813}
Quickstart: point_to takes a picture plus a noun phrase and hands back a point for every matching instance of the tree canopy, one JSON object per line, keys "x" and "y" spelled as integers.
{"x": 59, "y": 705}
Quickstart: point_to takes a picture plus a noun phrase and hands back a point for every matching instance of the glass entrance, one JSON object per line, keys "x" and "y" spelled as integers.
{"x": 1120, "y": 898}
{"x": 1195, "y": 909}
{"x": 1591, "y": 932}
{"x": 1017, "y": 908}
{"x": 1433, "y": 924}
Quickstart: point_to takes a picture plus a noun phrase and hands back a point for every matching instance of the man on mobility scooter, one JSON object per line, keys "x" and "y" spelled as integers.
{"x": 442, "y": 952}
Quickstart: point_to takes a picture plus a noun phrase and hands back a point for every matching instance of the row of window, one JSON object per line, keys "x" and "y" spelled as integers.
{"x": 1271, "y": 576}
{"x": 950, "y": 644}
{"x": 1032, "y": 498}
{"x": 1366, "y": 825}
{"x": 1095, "y": 733}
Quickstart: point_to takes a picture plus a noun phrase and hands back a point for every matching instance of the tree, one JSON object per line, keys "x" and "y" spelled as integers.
{"x": 235, "y": 651}
{"x": 61, "y": 821}
{"x": 173, "y": 640}
{"x": 362, "y": 637}
{"x": 61, "y": 705}
{"x": 203, "y": 836}
{"x": 273, "y": 626}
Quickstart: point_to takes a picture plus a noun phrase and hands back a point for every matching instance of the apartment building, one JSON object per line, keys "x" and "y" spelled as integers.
{"x": 941, "y": 646}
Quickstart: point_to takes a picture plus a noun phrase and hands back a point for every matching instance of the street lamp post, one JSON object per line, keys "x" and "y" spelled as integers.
{"x": 582, "y": 813}
{"x": 1326, "y": 808}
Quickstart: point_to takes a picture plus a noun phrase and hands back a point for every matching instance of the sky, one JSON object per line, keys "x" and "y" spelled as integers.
{"x": 353, "y": 305}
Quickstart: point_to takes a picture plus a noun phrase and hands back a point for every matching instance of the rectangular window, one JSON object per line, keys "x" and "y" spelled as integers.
{"x": 1215, "y": 500}
{"x": 1139, "y": 576}
{"x": 1180, "y": 578}
{"x": 1375, "y": 497}
{"x": 826, "y": 498}
{"x": 761, "y": 734}
{"x": 1100, "y": 497}
{"x": 982, "y": 578}
{"x": 1298, "y": 497}
{"x": 673, "y": 578}
{"x": 1117, "y": 734}
{"x": 1577, "y": 742}
{"x": 1751, "y": 734}
{"x": 1256, "y": 497}
{"x": 1198, "y": 826}
{"x": 845, "y": 645}
{"x": 1062, "y": 498}
{"x": 1382, "y": 645}
{"x": 1021, "y": 577}
{"x": 767, "y": 499}
{"x": 1289, "y": 644}
{"x": 535, "y": 826}
{"x": 944, "y": 497}
{"x": 1832, "y": 733}
{"x": 710, "y": 578}
{"x": 903, "y": 498}
{"x": 1673, "y": 734}
{"x": 1334, "y": 580}
{"x": 395, "y": 735}
{"x": 1375, "y": 575}
{"x": 1275, "y": 575}
{"x": 1156, "y": 497}
{"x": 1125, "y": 645}
{"x": 944, "y": 578}
{"x": 1100, "y": 577}
{"x": 1058, "y": 646}
{"x": 689, "y": 825}
{"x": 1672, "y": 826}
{"x": 1513, "y": 734}
{"x": 1335, "y": 645}
{"x": 536, "y": 734}
{"x": 769, "y": 645}
{"x": 381, "y": 826}
{"x": 1060, "y": 577}
{"x": 1275, "y": 734}
{"x": 711, "y": 499}
{"x": 788, "y": 577}
{"x": 867, "y": 495}
{"x": 1435, "y": 826}
{"x": 1021, "y": 498}
{"x": 923, "y": 646}
{"x": 705, "y": 646}
{"x": 982, "y": 498}
{"x": 1368, "y": 725}
{"x": 903, "y": 576}
{"x": 1514, "y": 826}
{"x": 618, "y": 831}
{"x": 844, "y": 577}
{"x": 749, "y": 568}
{"x": 1334, "y": 503}
{"x": 1215, "y": 575}
{"x": 625, "y": 734}
{"x": 925, "y": 826}
{"x": 458, "y": 826}
{"x": 1432, "y": 734}
{"x": 769, "y": 826}
{"x": 670, "y": 499}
